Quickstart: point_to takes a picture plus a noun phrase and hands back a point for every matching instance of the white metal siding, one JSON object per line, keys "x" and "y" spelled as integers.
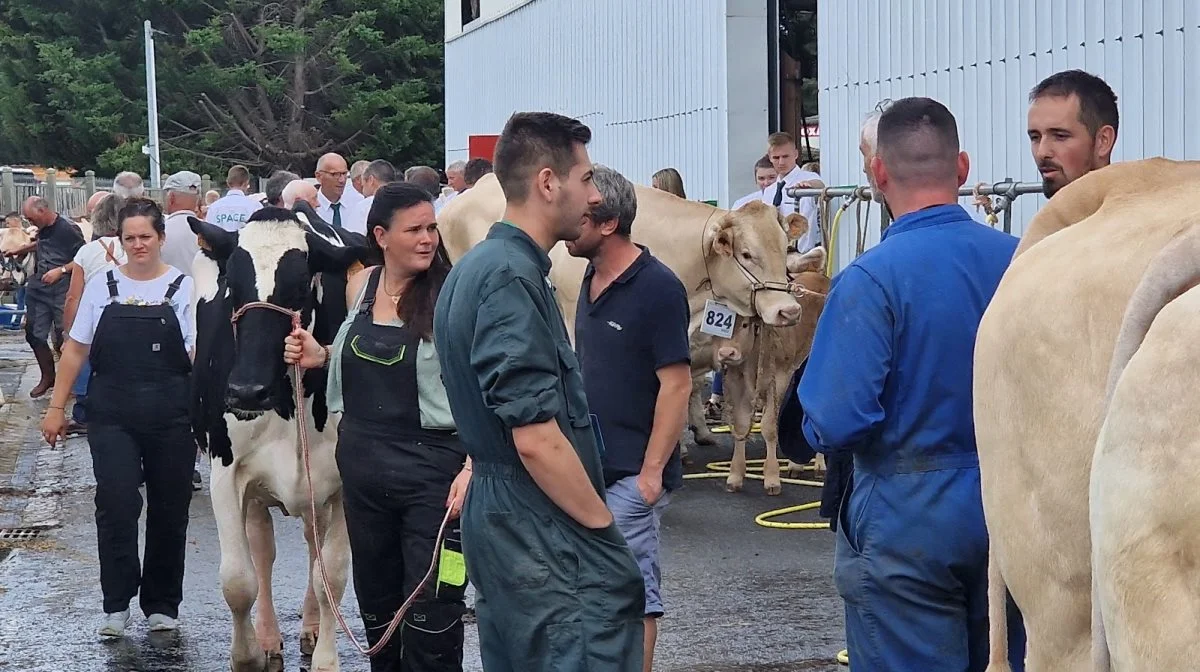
{"x": 981, "y": 59}
{"x": 669, "y": 83}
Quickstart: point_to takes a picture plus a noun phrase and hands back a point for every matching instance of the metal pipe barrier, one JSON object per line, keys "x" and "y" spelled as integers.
{"x": 1005, "y": 191}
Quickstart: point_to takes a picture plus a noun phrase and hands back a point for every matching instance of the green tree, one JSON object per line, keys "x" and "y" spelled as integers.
{"x": 267, "y": 84}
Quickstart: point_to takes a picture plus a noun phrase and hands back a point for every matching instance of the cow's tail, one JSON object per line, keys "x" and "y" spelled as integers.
{"x": 1173, "y": 271}
{"x": 997, "y": 616}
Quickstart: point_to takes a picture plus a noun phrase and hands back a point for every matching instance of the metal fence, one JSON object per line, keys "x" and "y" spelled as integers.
{"x": 68, "y": 195}
{"x": 994, "y": 199}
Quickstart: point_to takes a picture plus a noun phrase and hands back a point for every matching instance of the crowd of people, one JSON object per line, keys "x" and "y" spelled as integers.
{"x": 559, "y": 459}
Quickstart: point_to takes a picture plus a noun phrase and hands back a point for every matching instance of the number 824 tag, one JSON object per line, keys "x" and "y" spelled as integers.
{"x": 718, "y": 319}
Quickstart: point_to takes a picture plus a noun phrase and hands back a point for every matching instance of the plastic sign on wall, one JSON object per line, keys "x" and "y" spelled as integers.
{"x": 482, "y": 147}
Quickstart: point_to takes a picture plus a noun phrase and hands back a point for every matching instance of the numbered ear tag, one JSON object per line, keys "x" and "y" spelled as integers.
{"x": 718, "y": 319}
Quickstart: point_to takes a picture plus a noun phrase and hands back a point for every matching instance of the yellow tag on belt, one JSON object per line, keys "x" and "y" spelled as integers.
{"x": 452, "y": 568}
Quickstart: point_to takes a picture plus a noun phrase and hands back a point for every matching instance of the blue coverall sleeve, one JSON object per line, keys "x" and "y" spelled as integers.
{"x": 515, "y": 356}
{"x": 842, "y": 387}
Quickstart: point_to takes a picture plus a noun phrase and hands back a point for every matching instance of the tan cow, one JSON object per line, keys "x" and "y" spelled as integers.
{"x": 759, "y": 361}
{"x": 1042, "y": 359}
{"x": 1145, "y": 517}
{"x": 697, "y": 241}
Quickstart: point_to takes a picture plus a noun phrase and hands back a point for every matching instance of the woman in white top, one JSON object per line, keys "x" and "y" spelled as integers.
{"x": 134, "y": 327}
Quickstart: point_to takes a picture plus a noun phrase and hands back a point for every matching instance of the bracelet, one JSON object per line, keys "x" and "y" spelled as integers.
{"x": 58, "y": 408}
{"x": 328, "y": 355}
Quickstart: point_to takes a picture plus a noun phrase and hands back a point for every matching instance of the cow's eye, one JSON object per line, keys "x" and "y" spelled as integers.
{"x": 747, "y": 256}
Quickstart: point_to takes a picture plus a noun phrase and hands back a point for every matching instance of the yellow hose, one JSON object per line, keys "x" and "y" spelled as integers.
{"x": 837, "y": 219}
{"x": 725, "y": 429}
{"x": 754, "y": 470}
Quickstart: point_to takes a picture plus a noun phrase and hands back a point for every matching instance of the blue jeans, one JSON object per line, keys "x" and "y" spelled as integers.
{"x": 718, "y": 387}
{"x": 80, "y": 389}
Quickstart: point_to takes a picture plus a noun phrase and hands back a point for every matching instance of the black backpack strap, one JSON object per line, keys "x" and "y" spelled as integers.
{"x": 112, "y": 286}
{"x": 173, "y": 287}
{"x": 368, "y": 300}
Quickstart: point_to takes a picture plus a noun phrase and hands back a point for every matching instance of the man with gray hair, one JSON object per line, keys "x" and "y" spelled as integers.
{"x": 631, "y": 337}
{"x": 378, "y": 173}
{"x": 455, "y": 182}
{"x": 273, "y": 191}
{"x": 358, "y": 175}
{"x": 128, "y": 184}
{"x": 182, "y": 196}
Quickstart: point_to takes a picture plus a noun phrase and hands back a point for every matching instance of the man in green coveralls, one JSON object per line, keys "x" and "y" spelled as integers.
{"x": 557, "y": 586}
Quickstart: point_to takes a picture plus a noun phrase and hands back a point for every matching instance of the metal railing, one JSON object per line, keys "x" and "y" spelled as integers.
{"x": 68, "y": 195}
{"x": 1006, "y": 191}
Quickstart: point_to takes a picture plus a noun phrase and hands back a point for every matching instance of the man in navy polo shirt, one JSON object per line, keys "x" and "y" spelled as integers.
{"x": 631, "y": 336}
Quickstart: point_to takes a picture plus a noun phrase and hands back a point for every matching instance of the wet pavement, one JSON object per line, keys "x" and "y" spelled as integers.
{"x": 739, "y": 597}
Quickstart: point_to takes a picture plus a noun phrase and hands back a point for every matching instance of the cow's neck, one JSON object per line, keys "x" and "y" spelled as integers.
{"x": 682, "y": 250}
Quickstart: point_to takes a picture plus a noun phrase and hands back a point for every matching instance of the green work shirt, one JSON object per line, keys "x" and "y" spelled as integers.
{"x": 506, "y": 359}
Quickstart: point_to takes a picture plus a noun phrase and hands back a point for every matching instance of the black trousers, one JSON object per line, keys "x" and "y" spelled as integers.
{"x": 395, "y": 497}
{"x": 121, "y": 456}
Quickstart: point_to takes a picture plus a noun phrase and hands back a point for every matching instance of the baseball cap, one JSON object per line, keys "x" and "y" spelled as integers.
{"x": 184, "y": 180}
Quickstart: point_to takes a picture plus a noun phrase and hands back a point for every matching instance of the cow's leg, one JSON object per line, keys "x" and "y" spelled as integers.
{"x": 739, "y": 398}
{"x": 335, "y": 552}
{"x": 260, "y": 530}
{"x": 696, "y": 415}
{"x": 770, "y": 434}
{"x": 310, "y": 620}
{"x": 238, "y": 583}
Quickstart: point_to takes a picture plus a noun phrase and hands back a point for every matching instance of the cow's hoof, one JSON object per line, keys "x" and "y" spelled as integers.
{"x": 733, "y": 487}
{"x": 256, "y": 663}
{"x": 774, "y": 488}
{"x": 308, "y": 642}
{"x": 705, "y": 438}
{"x": 275, "y": 660}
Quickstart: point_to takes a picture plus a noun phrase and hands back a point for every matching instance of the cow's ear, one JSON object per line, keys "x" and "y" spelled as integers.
{"x": 718, "y": 235}
{"x": 795, "y": 225}
{"x": 215, "y": 241}
{"x": 813, "y": 260}
{"x": 325, "y": 257}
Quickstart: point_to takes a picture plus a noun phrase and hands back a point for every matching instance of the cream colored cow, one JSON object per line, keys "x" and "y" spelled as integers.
{"x": 699, "y": 242}
{"x": 1145, "y": 515}
{"x": 1042, "y": 359}
{"x": 759, "y": 362}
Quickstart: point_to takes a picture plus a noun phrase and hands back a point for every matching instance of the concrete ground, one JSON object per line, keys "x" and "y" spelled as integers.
{"x": 739, "y": 597}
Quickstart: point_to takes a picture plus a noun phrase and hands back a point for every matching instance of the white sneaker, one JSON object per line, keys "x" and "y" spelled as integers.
{"x": 114, "y": 624}
{"x": 161, "y": 623}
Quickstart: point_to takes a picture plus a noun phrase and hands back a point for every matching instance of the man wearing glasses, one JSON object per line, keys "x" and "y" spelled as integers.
{"x": 335, "y": 199}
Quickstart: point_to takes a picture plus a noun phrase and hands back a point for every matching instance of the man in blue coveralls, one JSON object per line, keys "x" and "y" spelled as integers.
{"x": 557, "y": 587}
{"x": 889, "y": 381}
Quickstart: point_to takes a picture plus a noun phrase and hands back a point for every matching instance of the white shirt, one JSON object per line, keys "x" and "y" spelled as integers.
{"x": 808, "y": 206}
{"x": 180, "y": 248}
{"x": 357, "y": 219}
{"x": 349, "y": 199}
{"x": 442, "y": 200}
{"x": 231, "y": 211}
{"x": 752, "y": 196}
{"x": 95, "y": 298}
{"x": 93, "y": 257}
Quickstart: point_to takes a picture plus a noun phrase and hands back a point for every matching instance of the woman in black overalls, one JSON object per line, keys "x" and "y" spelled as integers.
{"x": 134, "y": 326}
{"x": 399, "y": 456}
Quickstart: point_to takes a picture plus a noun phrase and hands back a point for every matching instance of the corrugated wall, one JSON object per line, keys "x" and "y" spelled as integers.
{"x": 649, "y": 78}
{"x": 981, "y": 59}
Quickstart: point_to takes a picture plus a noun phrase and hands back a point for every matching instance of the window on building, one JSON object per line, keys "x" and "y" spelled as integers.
{"x": 470, "y": 11}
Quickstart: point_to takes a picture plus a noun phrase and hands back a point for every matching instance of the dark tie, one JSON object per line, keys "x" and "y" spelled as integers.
{"x": 778, "y": 194}
{"x": 337, "y": 215}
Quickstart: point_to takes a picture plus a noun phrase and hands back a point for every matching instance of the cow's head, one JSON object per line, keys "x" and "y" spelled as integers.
{"x": 273, "y": 259}
{"x": 733, "y": 351}
{"x": 744, "y": 255}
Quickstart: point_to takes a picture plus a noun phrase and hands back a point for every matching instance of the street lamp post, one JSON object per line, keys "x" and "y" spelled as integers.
{"x": 151, "y": 148}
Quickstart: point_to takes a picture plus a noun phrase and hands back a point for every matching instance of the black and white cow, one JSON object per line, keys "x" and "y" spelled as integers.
{"x": 244, "y": 415}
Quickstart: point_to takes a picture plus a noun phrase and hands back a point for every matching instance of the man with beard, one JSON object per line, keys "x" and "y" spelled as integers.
{"x": 631, "y": 334}
{"x": 557, "y": 586}
{"x": 1072, "y": 127}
